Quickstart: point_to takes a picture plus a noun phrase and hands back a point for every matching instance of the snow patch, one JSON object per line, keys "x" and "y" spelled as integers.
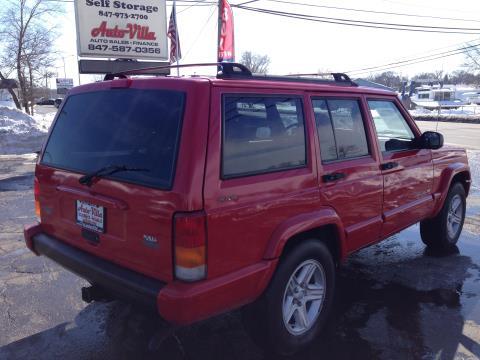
{"x": 21, "y": 133}
{"x": 7, "y": 103}
{"x": 467, "y": 110}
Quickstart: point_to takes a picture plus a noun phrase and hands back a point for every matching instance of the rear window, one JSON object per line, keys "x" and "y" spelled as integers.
{"x": 131, "y": 127}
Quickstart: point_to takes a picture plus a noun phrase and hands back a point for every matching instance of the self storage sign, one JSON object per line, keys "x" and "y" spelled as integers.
{"x": 134, "y": 29}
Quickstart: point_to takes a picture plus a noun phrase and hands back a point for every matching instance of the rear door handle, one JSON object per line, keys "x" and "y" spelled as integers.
{"x": 333, "y": 177}
{"x": 389, "y": 165}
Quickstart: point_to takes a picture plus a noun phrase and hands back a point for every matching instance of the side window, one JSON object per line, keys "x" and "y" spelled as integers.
{"x": 262, "y": 134}
{"x": 393, "y": 131}
{"x": 340, "y": 129}
{"x": 328, "y": 147}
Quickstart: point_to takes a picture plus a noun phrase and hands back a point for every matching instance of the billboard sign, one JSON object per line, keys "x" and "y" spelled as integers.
{"x": 63, "y": 85}
{"x": 130, "y": 29}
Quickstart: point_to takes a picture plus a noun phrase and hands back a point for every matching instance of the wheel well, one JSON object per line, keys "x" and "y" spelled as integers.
{"x": 464, "y": 179}
{"x": 326, "y": 234}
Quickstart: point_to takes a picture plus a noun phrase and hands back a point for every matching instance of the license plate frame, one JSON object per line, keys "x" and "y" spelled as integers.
{"x": 90, "y": 216}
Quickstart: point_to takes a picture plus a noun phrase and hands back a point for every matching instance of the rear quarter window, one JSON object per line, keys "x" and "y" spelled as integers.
{"x": 261, "y": 135}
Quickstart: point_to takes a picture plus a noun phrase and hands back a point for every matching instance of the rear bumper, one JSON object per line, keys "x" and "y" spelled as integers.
{"x": 177, "y": 302}
{"x": 116, "y": 280}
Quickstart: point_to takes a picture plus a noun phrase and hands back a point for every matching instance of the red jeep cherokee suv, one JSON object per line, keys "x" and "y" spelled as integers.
{"x": 194, "y": 196}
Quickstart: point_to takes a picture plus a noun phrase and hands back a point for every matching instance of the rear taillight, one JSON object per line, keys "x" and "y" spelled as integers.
{"x": 36, "y": 194}
{"x": 190, "y": 240}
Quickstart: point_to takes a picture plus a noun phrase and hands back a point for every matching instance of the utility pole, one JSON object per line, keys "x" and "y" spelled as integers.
{"x": 64, "y": 71}
{"x": 78, "y": 71}
{"x": 177, "y": 47}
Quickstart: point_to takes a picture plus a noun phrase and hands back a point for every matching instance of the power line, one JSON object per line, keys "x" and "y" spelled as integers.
{"x": 197, "y": 3}
{"x": 463, "y": 49}
{"x": 361, "y": 23}
{"x": 201, "y": 32}
{"x": 411, "y": 62}
{"x": 369, "y": 11}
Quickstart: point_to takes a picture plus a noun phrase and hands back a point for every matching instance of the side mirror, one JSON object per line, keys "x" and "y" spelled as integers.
{"x": 431, "y": 140}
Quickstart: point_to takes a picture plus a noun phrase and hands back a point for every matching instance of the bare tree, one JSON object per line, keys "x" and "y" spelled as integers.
{"x": 472, "y": 59}
{"x": 388, "y": 78}
{"x": 27, "y": 43}
{"x": 439, "y": 75}
{"x": 255, "y": 62}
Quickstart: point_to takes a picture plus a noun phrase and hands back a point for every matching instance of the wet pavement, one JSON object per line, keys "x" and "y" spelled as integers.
{"x": 394, "y": 300}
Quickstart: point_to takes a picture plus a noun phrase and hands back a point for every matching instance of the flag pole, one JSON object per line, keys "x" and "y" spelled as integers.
{"x": 219, "y": 32}
{"x": 176, "y": 37}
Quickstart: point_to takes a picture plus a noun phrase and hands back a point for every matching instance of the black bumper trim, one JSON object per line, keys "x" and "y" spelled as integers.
{"x": 122, "y": 283}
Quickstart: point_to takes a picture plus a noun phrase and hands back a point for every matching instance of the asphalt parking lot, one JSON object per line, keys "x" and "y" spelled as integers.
{"x": 395, "y": 300}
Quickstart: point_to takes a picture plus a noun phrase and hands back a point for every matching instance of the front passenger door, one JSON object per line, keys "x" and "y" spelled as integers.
{"x": 407, "y": 170}
{"x": 349, "y": 175}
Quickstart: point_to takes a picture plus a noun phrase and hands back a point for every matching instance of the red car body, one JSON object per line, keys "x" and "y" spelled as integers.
{"x": 248, "y": 221}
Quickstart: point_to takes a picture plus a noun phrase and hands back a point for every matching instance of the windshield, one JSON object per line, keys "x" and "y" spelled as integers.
{"x": 133, "y": 127}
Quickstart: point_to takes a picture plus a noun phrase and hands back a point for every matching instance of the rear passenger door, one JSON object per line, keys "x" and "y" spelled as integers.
{"x": 407, "y": 170}
{"x": 349, "y": 176}
{"x": 260, "y": 172}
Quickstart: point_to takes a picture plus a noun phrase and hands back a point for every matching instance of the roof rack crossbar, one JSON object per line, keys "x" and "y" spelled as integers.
{"x": 225, "y": 69}
{"x": 337, "y": 76}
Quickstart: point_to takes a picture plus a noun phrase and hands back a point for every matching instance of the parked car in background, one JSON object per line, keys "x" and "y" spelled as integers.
{"x": 57, "y": 102}
{"x": 194, "y": 196}
{"x": 45, "y": 101}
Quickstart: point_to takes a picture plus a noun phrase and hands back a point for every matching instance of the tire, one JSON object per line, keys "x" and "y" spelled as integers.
{"x": 266, "y": 319}
{"x": 442, "y": 231}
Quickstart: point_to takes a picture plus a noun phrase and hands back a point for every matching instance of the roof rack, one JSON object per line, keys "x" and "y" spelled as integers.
{"x": 228, "y": 70}
{"x": 338, "y": 78}
{"x": 225, "y": 69}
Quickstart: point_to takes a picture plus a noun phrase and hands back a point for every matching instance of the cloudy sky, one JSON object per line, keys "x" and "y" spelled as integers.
{"x": 295, "y": 45}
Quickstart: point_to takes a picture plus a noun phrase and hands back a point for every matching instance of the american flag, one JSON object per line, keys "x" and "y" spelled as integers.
{"x": 175, "y": 52}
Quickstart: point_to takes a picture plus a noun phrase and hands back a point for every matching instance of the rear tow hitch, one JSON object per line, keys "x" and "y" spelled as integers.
{"x": 95, "y": 293}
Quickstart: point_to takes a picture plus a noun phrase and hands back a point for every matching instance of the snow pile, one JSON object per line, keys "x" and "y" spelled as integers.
{"x": 43, "y": 121}
{"x": 7, "y": 103}
{"x": 20, "y": 133}
{"x": 6, "y": 99}
{"x": 464, "y": 114}
{"x": 420, "y": 111}
{"x": 468, "y": 110}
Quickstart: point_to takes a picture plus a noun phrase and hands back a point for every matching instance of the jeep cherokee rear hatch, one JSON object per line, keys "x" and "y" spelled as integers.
{"x": 107, "y": 173}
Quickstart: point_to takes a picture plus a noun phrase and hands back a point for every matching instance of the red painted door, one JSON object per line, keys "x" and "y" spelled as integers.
{"x": 407, "y": 171}
{"x": 349, "y": 175}
{"x": 260, "y": 172}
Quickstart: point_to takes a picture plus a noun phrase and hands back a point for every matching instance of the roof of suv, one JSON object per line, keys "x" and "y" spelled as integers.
{"x": 244, "y": 83}
{"x": 238, "y": 75}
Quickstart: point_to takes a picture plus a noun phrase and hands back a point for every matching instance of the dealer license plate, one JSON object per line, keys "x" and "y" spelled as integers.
{"x": 90, "y": 216}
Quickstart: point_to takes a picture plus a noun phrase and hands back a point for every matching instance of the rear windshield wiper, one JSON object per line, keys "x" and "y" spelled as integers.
{"x": 105, "y": 171}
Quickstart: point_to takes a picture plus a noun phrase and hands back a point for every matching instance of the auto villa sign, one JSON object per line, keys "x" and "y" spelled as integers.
{"x": 133, "y": 29}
